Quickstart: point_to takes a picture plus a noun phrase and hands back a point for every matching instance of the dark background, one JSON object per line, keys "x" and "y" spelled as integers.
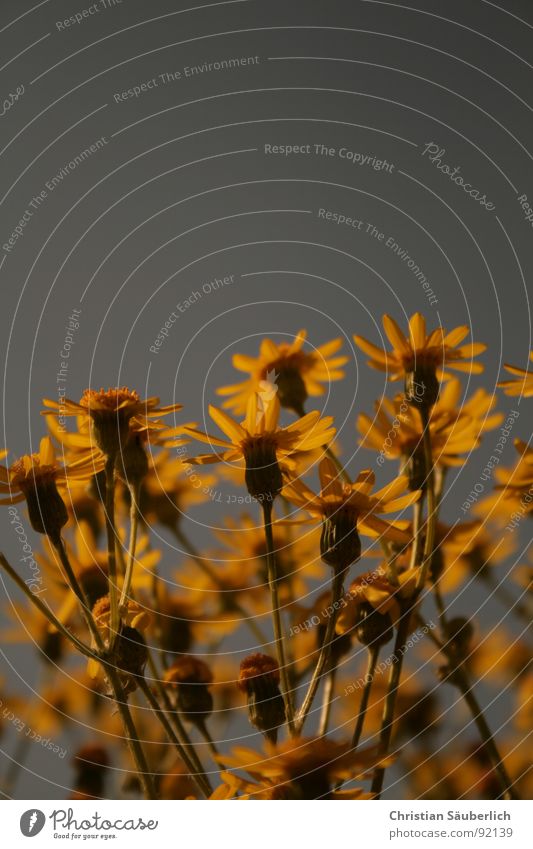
{"x": 183, "y": 193}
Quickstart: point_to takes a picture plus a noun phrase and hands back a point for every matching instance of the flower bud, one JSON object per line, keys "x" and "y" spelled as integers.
{"x": 191, "y": 677}
{"x": 263, "y": 474}
{"x": 340, "y": 545}
{"x": 373, "y": 628}
{"x": 131, "y": 655}
{"x": 46, "y": 509}
{"x": 259, "y": 680}
{"x": 90, "y": 764}
{"x": 132, "y": 462}
{"x": 292, "y": 392}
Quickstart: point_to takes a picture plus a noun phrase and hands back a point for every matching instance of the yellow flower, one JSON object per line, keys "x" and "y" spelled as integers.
{"x": 296, "y": 559}
{"x": 397, "y": 430}
{"x": 169, "y": 489}
{"x": 421, "y": 358}
{"x": 374, "y": 589}
{"x": 296, "y": 373}
{"x": 114, "y": 413}
{"x": 37, "y": 478}
{"x": 90, "y": 565}
{"x": 517, "y": 482}
{"x": 521, "y": 385}
{"x": 299, "y": 769}
{"x": 354, "y": 504}
{"x": 261, "y": 447}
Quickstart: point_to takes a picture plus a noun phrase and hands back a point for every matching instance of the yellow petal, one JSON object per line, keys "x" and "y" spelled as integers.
{"x": 395, "y": 334}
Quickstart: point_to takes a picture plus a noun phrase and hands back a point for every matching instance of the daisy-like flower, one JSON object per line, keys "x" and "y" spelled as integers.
{"x": 296, "y": 558}
{"x": 169, "y": 490}
{"x": 348, "y": 509}
{"x": 90, "y": 565}
{"x": 263, "y": 448}
{"x": 522, "y": 384}
{"x": 114, "y": 413}
{"x": 37, "y": 479}
{"x": 296, "y": 373}
{"x": 517, "y": 483}
{"x": 421, "y": 358}
{"x": 372, "y": 593}
{"x": 397, "y": 429}
{"x": 299, "y": 769}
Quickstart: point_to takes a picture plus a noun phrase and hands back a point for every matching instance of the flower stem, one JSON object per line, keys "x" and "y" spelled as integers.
{"x": 134, "y": 526}
{"x": 373, "y": 654}
{"x": 46, "y": 611}
{"x": 273, "y": 582}
{"x": 432, "y": 503}
{"x": 460, "y": 678}
{"x": 336, "y": 593}
{"x": 327, "y": 701}
{"x": 111, "y": 551}
{"x": 134, "y": 743}
{"x": 204, "y": 731}
{"x": 338, "y": 465}
{"x": 188, "y": 753}
{"x": 199, "y": 778}
{"x": 59, "y": 546}
{"x": 392, "y": 692}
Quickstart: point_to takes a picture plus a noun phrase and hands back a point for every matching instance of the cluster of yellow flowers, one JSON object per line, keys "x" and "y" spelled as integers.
{"x": 155, "y": 647}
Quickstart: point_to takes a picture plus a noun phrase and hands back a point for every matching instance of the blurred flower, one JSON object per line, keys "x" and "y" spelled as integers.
{"x": 521, "y": 385}
{"x": 300, "y": 769}
{"x": 296, "y": 373}
{"x": 397, "y": 430}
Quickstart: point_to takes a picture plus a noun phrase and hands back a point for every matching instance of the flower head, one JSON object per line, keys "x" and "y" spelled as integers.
{"x": 37, "y": 478}
{"x": 295, "y": 372}
{"x": 300, "y": 769}
{"x": 347, "y": 509}
{"x": 421, "y": 358}
{"x": 114, "y": 413}
{"x": 397, "y": 429}
{"x": 265, "y": 449}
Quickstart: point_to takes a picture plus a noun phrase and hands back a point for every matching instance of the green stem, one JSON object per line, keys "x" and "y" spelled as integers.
{"x": 187, "y": 751}
{"x": 273, "y": 581}
{"x": 373, "y": 654}
{"x": 134, "y": 743}
{"x": 460, "y": 678}
{"x": 59, "y": 546}
{"x": 204, "y": 731}
{"x": 327, "y": 701}
{"x": 392, "y": 693}
{"x": 432, "y": 503}
{"x": 200, "y": 779}
{"x": 46, "y": 611}
{"x": 336, "y": 593}
{"x": 134, "y": 526}
{"x": 111, "y": 550}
